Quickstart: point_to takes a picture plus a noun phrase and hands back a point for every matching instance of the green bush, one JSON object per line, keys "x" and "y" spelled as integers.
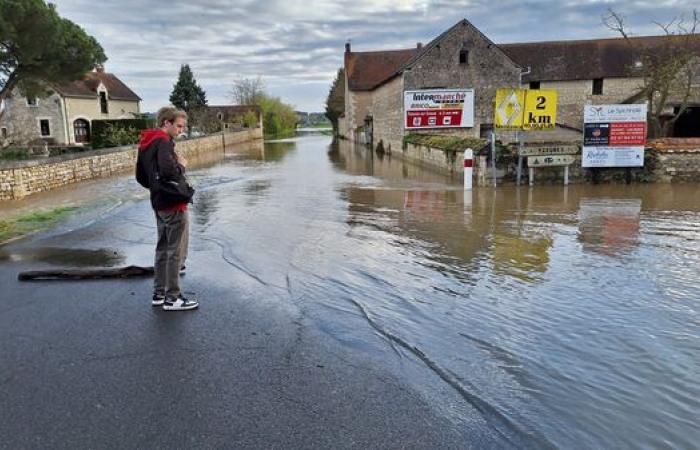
{"x": 250, "y": 119}
{"x": 114, "y": 133}
{"x": 444, "y": 141}
{"x": 14, "y": 153}
{"x": 63, "y": 150}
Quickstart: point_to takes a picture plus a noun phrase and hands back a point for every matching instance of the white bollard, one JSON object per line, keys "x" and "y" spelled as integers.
{"x": 468, "y": 169}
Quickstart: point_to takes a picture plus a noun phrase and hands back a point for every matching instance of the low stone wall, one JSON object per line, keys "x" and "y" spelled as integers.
{"x": 19, "y": 179}
{"x": 667, "y": 161}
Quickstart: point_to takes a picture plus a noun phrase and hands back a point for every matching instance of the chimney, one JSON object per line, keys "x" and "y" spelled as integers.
{"x": 419, "y": 45}
{"x": 100, "y": 68}
{"x": 347, "y": 47}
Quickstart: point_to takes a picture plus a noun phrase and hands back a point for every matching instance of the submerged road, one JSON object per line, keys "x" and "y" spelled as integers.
{"x": 353, "y": 301}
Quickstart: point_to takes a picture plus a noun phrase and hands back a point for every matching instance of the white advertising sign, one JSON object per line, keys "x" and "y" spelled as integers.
{"x": 612, "y": 157}
{"x": 614, "y": 135}
{"x": 615, "y": 113}
{"x": 439, "y": 108}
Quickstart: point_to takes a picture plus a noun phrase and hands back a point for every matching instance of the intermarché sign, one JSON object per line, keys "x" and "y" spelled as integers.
{"x": 439, "y": 108}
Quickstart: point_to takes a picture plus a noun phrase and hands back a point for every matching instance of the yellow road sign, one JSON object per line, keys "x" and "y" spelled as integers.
{"x": 523, "y": 109}
{"x": 540, "y": 110}
{"x": 510, "y": 106}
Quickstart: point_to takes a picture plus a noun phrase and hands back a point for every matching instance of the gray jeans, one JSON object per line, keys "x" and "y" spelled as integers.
{"x": 171, "y": 251}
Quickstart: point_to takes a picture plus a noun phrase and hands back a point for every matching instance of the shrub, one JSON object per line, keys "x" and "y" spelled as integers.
{"x": 114, "y": 133}
{"x": 14, "y": 153}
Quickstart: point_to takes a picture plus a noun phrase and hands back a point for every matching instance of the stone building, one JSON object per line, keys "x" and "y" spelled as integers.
{"x": 235, "y": 116}
{"x": 583, "y": 72}
{"x": 461, "y": 57}
{"x": 65, "y": 116}
{"x": 598, "y": 71}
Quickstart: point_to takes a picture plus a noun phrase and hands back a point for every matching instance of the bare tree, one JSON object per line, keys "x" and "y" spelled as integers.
{"x": 248, "y": 91}
{"x": 670, "y": 70}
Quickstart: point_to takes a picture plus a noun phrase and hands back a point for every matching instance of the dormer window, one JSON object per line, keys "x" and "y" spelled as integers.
{"x": 103, "y": 103}
{"x": 32, "y": 102}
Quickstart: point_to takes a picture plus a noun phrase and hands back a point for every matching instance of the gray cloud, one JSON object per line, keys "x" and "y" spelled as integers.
{"x": 297, "y": 47}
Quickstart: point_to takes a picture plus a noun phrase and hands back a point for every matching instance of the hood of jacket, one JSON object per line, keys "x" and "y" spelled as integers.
{"x": 148, "y": 137}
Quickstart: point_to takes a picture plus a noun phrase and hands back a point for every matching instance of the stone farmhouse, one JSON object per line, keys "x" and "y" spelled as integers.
{"x": 597, "y": 71}
{"x": 65, "y": 116}
{"x": 233, "y": 116}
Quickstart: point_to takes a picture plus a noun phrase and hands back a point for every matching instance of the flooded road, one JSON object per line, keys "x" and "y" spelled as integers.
{"x": 557, "y": 317}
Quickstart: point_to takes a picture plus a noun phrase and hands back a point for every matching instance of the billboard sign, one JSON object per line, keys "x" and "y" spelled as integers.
{"x": 614, "y": 135}
{"x": 439, "y": 108}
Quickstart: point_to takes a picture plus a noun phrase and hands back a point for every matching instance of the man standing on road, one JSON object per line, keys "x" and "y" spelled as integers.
{"x": 157, "y": 160}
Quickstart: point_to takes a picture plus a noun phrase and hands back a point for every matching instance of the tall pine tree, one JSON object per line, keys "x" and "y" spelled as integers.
{"x": 187, "y": 95}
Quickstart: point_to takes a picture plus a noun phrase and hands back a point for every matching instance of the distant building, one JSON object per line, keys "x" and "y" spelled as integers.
{"x": 65, "y": 116}
{"x": 233, "y": 116}
{"x": 583, "y": 72}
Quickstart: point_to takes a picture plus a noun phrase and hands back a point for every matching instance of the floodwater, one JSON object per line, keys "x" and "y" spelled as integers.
{"x": 560, "y": 317}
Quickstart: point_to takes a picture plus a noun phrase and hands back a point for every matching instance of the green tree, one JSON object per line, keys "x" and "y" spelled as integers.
{"x": 335, "y": 103}
{"x": 187, "y": 94}
{"x": 279, "y": 118}
{"x": 38, "y": 48}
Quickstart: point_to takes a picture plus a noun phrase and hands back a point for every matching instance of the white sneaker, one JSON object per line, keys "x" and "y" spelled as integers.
{"x": 180, "y": 304}
{"x": 158, "y": 300}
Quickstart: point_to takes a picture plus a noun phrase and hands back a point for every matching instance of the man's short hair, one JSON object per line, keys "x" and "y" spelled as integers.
{"x": 169, "y": 114}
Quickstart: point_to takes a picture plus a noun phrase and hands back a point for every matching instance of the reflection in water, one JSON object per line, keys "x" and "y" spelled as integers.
{"x": 207, "y": 204}
{"x": 609, "y": 226}
{"x": 69, "y": 257}
{"x": 521, "y": 297}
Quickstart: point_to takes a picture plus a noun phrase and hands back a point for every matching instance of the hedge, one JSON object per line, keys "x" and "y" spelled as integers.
{"x": 127, "y": 131}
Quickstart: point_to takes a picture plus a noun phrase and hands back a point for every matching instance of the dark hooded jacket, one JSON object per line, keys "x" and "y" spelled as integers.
{"x": 157, "y": 150}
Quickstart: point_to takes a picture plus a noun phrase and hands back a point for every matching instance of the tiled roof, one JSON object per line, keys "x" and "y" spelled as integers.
{"x": 589, "y": 59}
{"x": 676, "y": 145}
{"x": 367, "y": 70}
{"x": 87, "y": 87}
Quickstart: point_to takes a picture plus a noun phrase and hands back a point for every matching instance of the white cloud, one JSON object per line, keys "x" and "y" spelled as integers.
{"x": 298, "y": 46}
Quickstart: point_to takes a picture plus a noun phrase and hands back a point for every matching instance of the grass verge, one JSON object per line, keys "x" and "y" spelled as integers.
{"x": 29, "y": 223}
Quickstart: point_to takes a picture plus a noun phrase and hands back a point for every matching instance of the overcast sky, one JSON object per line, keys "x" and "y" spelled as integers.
{"x": 297, "y": 46}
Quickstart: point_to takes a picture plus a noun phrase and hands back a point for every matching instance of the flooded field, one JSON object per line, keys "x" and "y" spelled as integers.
{"x": 558, "y": 317}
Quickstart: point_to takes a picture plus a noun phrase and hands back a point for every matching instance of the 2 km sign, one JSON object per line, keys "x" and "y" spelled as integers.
{"x": 525, "y": 109}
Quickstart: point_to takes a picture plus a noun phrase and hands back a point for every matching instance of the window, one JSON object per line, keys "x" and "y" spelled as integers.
{"x": 103, "y": 103}
{"x": 534, "y": 84}
{"x": 45, "y": 127}
{"x": 598, "y": 86}
{"x": 464, "y": 56}
{"x": 220, "y": 116}
{"x": 33, "y": 102}
{"x": 3, "y": 133}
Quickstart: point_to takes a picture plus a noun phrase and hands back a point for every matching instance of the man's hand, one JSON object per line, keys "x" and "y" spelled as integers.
{"x": 182, "y": 161}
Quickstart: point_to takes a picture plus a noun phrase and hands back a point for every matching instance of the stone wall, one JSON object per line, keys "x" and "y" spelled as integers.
{"x": 22, "y": 121}
{"x": 22, "y": 178}
{"x": 671, "y": 163}
{"x": 574, "y": 94}
{"x": 387, "y": 113}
